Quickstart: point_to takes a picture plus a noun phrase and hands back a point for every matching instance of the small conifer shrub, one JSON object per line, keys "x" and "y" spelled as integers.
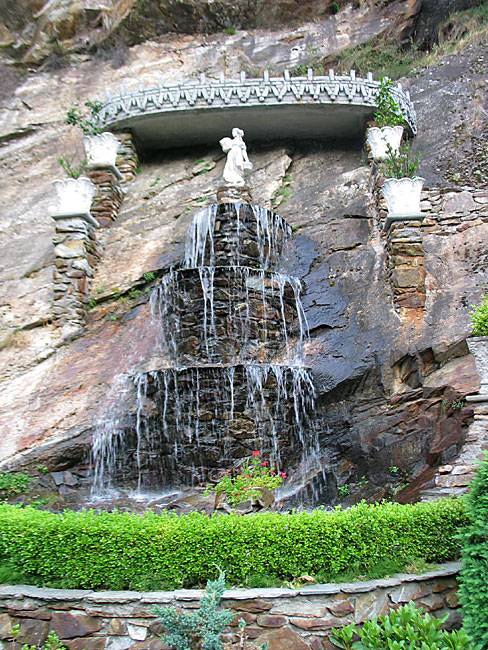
{"x": 199, "y": 629}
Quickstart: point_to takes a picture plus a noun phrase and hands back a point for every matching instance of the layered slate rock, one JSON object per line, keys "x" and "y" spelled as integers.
{"x": 234, "y": 331}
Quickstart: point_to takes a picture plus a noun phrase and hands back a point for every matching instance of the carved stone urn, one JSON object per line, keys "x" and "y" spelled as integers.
{"x": 478, "y": 347}
{"x": 101, "y": 150}
{"x": 74, "y": 196}
{"x": 379, "y": 138}
{"x": 402, "y": 196}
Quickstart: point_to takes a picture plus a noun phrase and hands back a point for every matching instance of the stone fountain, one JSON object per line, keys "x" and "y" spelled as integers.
{"x": 233, "y": 326}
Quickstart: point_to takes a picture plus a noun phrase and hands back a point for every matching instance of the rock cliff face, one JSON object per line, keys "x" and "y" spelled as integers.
{"x": 390, "y": 382}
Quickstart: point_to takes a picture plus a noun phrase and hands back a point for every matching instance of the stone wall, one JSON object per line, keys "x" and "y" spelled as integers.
{"x": 227, "y": 315}
{"x": 108, "y": 195}
{"x": 127, "y": 161}
{"x": 294, "y": 619}
{"x": 77, "y": 252}
{"x": 77, "y": 249}
{"x": 443, "y": 212}
{"x": 454, "y": 477}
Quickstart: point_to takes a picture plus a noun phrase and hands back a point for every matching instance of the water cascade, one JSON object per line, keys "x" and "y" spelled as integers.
{"x": 233, "y": 327}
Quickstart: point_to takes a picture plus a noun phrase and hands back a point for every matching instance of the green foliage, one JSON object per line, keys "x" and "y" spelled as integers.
{"x": 149, "y": 276}
{"x": 400, "y": 164}
{"x": 52, "y": 642}
{"x": 246, "y": 482}
{"x": 474, "y": 569}
{"x": 388, "y": 111}
{"x": 185, "y": 629}
{"x": 13, "y": 483}
{"x": 134, "y": 293}
{"x": 71, "y": 169}
{"x": 230, "y": 30}
{"x": 9, "y": 575}
{"x": 479, "y": 317}
{"x": 334, "y": 7}
{"x": 343, "y": 490}
{"x": 83, "y": 118}
{"x": 401, "y": 629}
{"x": 382, "y": 58}
{"x": 115, "y": 550}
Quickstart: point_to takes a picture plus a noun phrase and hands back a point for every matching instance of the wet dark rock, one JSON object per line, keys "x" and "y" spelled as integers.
{"x": 430, "y": 16}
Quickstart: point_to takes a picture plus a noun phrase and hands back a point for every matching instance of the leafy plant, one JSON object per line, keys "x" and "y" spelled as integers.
{"x": 479, "y": 317}
{"x": 230, "y": 30}
{"x": 247, "y": 482}
{"x": 404, "y": 628}
{"x": 13, "y": 483}
{"x": 115, "y": 550}
{"x": 72, "y": 170}
{"x": 343, "y": 490}
{"x": 474, "y": 567}
{"x": 401, "y": 164}
{"x": 84, "y": 119}
{"x": 334, "y": 7}
{"x": 388, "y": 111}
{"x": 134, "y": 293}
{"x": 149, "y": 276}
{"x": 52, "y": 642}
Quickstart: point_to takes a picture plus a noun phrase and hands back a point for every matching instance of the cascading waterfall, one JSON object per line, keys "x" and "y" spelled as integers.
{"x": 234, "y": 328}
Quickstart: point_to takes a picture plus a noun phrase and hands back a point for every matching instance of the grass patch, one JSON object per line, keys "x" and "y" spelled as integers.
{"x": 385, "y": 58}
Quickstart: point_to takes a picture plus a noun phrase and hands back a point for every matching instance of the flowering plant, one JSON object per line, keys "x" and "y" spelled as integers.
{"x": 247, "y": 481}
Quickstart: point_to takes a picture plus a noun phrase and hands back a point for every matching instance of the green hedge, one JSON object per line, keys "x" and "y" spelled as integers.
{"x": 474, "y": 569}
{"x": 123, "y": 550}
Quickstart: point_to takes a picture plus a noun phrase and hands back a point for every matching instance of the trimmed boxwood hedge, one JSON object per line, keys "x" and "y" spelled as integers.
{"x": 123, "y": 550}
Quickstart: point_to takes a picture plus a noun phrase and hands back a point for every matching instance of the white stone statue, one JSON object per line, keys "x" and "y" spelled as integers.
{"x": 237, "y": 165}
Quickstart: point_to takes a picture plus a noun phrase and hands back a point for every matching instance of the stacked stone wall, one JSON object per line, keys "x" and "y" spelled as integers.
{"x": 443, "y": 212}
{"x": 77, "y": 252}
{"x": 227, "y": 316}
{"x": 108, "y": 196}
{"x": 298, "y": 619}
{"x": 127, "y": 161}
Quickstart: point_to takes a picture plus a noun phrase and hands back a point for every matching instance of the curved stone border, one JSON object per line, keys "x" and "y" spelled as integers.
{"x": 127, "y": 108}
{"x": 301, "y": 618}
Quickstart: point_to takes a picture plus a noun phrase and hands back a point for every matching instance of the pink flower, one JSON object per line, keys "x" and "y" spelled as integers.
{"x": 255, "y": 452}
{"x": 283, "y": 475}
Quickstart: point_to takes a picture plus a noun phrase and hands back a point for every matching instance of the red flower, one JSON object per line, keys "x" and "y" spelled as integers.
{"x": 255, "y": 452}
{"x": 283, "y": 475}
{"x": 265, "y": 462}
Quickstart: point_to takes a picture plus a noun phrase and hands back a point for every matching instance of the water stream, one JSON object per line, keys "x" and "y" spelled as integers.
{"x": 233, "y": 327}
